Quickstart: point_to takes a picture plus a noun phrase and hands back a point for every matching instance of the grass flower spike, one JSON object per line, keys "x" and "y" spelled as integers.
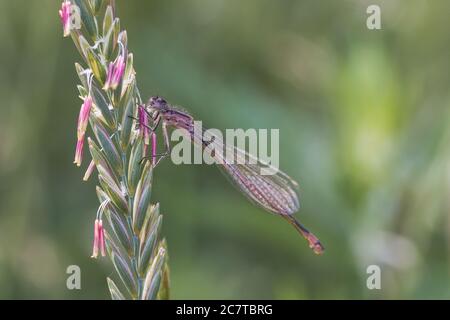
{"x": 127, "y": 226}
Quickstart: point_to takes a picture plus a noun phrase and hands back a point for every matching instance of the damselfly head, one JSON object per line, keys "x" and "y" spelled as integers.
{"x": 157, "y": 103}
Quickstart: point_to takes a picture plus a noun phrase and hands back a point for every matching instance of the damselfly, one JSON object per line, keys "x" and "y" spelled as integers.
{"x": 275, "y": 193}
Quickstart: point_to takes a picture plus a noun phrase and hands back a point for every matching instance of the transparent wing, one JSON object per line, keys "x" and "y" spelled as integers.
{"x": 274, "y": 192}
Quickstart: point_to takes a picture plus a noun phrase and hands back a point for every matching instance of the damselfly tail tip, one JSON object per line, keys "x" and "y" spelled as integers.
{"x": 313, "y": 241}
{"x": 314, "y": 244}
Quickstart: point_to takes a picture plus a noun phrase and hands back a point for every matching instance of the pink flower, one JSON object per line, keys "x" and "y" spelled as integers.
{"x": 64, "y": 14}
{"x": 99, "y": 239}
{"x": 102, "y": 239}
{"x": 79, "y": 152}
{"x": 89, "y": 171}
{"x": 116, "y": 70}
{"x": 83, "y": 119}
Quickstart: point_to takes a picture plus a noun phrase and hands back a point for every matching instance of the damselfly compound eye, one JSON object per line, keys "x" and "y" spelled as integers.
{"x": 158, "y": 102}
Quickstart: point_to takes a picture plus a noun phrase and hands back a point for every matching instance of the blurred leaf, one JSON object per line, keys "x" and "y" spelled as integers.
{"x": 153, "y": 279}
{"x": 109, "y": 148}
{"x": 135, "y": 166}
{"x": 115, "y": 292}
{"x": 164, "y": 291}
{"x": 125, "y": 273}
{"x": 148, "y": 245}
{"x": 128, "y": 76}
{"x": 96, "y": 5}
{"x": 113, "y": 191}
{"x": 142, "y": 197}
{"x": 121, "y": 229}
{"x": 100, "y": 161}
{"x": 102, "y": 103}
{"x": 129, "y": 106}
{"x": 96, "y": 65}
{"x": 88, "y": 21}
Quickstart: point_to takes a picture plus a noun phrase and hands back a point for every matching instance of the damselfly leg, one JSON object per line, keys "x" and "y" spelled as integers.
{"x": 157, "y": 120}
{"x": 159, "y": 157}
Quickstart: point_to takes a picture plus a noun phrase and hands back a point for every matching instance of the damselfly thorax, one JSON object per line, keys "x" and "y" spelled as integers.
{"x": 275, "y": 193}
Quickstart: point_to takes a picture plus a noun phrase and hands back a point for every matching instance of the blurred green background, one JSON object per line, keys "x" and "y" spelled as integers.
{"x": 364, "y": 123}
